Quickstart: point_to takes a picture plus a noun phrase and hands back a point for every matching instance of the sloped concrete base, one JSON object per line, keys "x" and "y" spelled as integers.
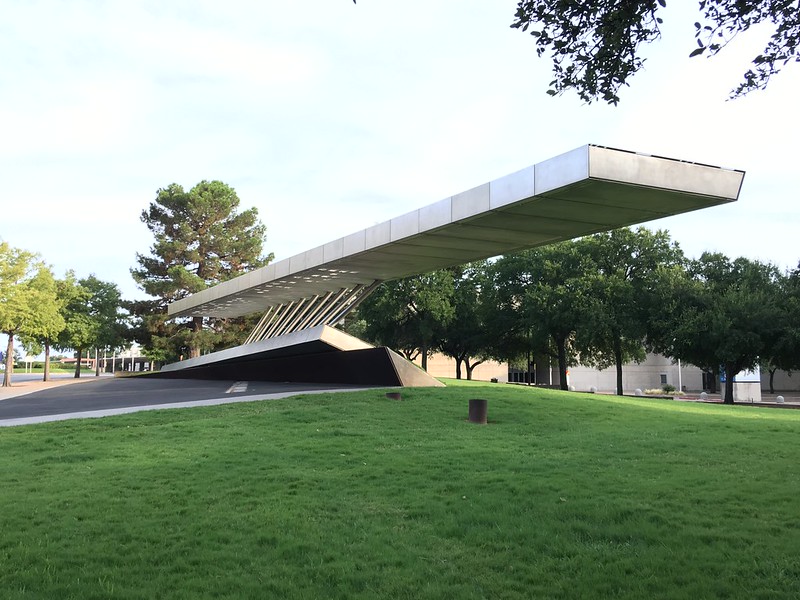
{"x": 318, "y": 355}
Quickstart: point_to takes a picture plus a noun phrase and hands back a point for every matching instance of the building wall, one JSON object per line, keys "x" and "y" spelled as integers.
{"x": 646, "y": 375}
{"x": 440, "y": 365}
{"x": 783, "y": 381}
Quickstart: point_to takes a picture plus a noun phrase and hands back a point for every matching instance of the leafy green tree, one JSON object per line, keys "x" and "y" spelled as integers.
{"x": 627, "y": 264}
{"x": 723, "y": 314}
{"x": 47, "y": 319}
{"x": 79, "y": 329}
{"x": 105, "y": 304}
{"x": 595, "y": 46}
{"x": 23, "y": 279}
{"x": 510, "y": 331}
{"x": 468, "y": 337}
{"x": 409, "y": 314}
{"x": 547, "y": 289}
{"x": 784, "y": 351}
{"x": 201, "y": 239}
{"x": 92, "y": 316}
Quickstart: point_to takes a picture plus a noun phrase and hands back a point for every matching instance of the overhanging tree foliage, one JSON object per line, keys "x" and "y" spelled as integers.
{"x": 201, "y": 239}
{"x": 595, "y": 46}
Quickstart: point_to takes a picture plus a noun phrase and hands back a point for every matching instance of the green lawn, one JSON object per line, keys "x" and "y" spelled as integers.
{"x": 53, "y": 370}
{"x": 356, "y": 496}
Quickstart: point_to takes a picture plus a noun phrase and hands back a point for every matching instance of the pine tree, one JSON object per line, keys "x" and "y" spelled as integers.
{"x": 200, "y": 240}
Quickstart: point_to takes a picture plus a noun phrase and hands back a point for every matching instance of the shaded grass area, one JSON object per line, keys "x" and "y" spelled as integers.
{"x": 355, "y": 496}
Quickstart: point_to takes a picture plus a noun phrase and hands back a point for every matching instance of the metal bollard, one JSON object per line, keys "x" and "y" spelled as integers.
{"x": 478, "y": 411}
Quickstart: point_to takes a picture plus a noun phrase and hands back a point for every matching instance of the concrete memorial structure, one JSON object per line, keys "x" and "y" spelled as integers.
{"x": 585, "y": 191}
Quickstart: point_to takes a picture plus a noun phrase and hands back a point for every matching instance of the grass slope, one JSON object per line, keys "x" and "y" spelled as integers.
{"x": 355, "y": 496}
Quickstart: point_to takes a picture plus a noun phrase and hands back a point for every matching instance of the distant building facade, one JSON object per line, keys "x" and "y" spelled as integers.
{"x": 654, "y": 372}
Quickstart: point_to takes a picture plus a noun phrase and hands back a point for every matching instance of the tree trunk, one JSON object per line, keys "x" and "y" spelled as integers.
{"x": 528, "y": 368}
{"x": 197, "y": 327}
{"x": 771, "y": 378}
{"x": 78, "y": 364}
{"x": 410, "y": 355}
{"x": 561, "y": 344}
{"x": 46, "y": 375}
{"x": 471, "y": 367}
{"x": 96, "y": 364}
{"x": 424, "y": 351}
{"x": 730, "y": 373}
{"x": 458, "y": 368}
{"x": 9, "y": 360}
{"x": 618, "y": 361}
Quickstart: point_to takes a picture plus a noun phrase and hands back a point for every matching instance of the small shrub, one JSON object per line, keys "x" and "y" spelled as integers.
{"x": 665, "y": 391}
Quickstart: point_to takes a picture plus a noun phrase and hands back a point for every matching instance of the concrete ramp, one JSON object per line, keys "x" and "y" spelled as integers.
{"x": 318, "y": 355}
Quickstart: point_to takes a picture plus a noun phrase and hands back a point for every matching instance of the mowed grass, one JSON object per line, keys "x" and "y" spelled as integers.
{"x": 355, "y": 496}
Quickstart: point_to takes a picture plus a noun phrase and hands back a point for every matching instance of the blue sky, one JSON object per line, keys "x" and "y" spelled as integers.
{"x": 329, "y": 117}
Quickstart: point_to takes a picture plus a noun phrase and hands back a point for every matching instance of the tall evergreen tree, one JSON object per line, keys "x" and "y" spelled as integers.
{"x": 201, "y": 239}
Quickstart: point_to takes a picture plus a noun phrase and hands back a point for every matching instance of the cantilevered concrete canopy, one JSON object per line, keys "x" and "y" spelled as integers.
{"x": 590, "y": 189}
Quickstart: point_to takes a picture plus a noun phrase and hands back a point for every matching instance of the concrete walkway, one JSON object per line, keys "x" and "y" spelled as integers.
{"x": 23, "y": 387}
{"x": 59, "y": 400}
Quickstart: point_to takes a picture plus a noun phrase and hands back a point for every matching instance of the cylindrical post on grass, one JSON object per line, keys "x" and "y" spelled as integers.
{"x": 478, "y": 411}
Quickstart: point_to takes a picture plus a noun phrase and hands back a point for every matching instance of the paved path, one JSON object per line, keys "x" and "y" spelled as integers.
{"x": 37, "y": 402}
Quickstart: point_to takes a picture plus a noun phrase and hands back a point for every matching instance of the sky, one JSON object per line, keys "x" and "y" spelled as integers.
{"x": 329, "y": 117}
